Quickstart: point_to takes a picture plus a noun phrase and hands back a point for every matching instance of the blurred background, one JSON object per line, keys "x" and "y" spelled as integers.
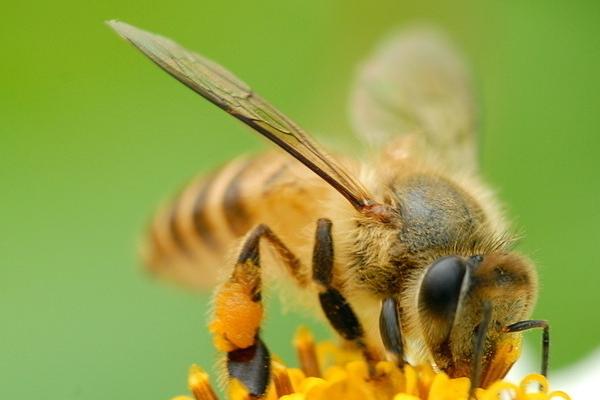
{"x": 93, "y": 136}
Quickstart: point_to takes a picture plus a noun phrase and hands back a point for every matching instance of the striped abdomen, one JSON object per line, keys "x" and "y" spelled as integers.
{"x": 193, "y": 235}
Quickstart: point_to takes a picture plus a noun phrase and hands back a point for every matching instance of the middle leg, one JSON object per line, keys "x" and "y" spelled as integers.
{"x": 340, "y": 313}
{"x": 336, "y": 308}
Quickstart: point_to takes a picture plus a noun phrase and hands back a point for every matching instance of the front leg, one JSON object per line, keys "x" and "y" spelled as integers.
{"x": 390, "y": 329}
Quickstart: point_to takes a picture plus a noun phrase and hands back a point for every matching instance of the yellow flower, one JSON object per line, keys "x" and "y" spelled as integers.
{"x": 347, "y": 376}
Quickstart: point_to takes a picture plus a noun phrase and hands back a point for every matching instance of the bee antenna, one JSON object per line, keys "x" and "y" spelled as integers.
{"x": 479, "y": 342}
{"x": 535, "y": 323}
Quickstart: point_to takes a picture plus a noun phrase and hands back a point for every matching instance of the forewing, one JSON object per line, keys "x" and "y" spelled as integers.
{"x": 416, "y": 83}
{"x": 225, "y": 90}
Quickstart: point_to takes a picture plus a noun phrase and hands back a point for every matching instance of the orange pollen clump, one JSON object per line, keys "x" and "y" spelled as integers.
{"x": 237, "y": 317}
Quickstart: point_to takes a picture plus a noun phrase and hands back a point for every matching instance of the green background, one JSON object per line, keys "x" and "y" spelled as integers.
{"x": 92, "y": 136}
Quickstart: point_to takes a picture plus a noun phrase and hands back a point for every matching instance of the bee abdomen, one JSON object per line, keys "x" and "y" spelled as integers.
{"x": 191, "y": 236}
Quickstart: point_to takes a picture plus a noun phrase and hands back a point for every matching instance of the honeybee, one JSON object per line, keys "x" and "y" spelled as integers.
{"x": 409, "y": 255}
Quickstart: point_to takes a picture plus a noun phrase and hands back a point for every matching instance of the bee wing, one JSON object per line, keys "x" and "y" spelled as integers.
{"x": 228, "y": 92}
{"x": 415, "y": 83}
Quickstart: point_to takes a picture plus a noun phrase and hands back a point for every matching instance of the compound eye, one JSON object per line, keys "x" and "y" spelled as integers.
{"x": 441, "y": 286}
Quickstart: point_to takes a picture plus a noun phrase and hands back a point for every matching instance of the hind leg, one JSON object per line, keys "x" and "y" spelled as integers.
{"x": 239, "y": 311}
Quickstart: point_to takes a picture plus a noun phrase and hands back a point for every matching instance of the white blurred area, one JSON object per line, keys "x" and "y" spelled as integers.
{"x": 580, "y": 380}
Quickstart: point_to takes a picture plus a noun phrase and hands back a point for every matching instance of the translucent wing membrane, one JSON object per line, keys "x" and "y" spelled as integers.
{"x": 225, "y": 90}
{"x": 415, "y": 83}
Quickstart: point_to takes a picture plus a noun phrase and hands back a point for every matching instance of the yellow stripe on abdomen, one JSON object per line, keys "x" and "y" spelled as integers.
{"x": 192, "y": 236}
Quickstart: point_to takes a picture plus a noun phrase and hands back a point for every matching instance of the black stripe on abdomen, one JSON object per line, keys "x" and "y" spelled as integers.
{"x": 236, "y": 215}
{"x": 174, "y": 230}
{"x": 202, "y": 225}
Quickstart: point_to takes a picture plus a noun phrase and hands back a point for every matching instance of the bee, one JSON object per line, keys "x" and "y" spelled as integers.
{"x": 409, "y": 255}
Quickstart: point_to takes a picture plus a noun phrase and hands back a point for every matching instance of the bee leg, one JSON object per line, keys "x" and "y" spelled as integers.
{"x": 238, "y": 313}
{"x": 338, "y": 311}
{"x": 391, "y": 330}
{"x": 251, "y": 366}
{"x": 478, "y": 347}
{"x": 530, "y": 324}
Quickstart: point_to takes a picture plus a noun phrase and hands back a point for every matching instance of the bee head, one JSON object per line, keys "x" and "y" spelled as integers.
{"x": 465, "y": 305}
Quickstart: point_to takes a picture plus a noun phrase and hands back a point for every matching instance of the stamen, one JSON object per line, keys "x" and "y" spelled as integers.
{"x": 304, "y": 343}
{"x": 281, "y": 379}
{"x": 199, "y": 384}
{"x": 348, "y": 378}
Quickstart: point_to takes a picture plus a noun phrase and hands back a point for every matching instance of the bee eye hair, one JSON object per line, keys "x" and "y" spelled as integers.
{"x": 440, "y": 288}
